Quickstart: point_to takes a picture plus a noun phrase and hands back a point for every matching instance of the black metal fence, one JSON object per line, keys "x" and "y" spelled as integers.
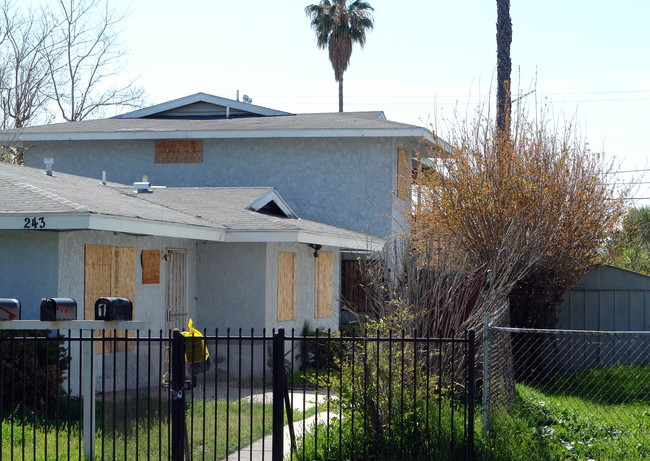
{"x": 264, "y": 396}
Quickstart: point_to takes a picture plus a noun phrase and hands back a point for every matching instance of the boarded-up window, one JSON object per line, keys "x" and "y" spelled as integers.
{"x": 357, "y": 293}
{"x": 287, "y": 285}
{"x": 403, "y": 174}
{"x": 185, "y": 151}
{"x": 150, "y": 260}
{"x": 108, "y": 272}
{"x": 323, "y": 285}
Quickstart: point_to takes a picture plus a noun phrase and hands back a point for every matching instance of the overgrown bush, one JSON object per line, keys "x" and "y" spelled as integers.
{"x": 34, "y": 365}
{"x": 390, "y": 400}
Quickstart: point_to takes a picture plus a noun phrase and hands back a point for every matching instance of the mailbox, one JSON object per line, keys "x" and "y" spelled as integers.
{"x": 58, "y": 309}
{"x": 114, "y": 309}
{"x": 9, "y": 309}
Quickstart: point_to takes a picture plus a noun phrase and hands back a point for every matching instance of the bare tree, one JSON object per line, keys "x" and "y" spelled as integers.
{"x": 24, "y": 73}
{"x": 84, "y": 57}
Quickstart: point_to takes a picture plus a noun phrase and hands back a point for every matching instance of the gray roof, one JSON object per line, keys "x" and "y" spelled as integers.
{"x": 202, "y": 104}
{"x": 29, "y": 191}
{"x": 337, "y": 124}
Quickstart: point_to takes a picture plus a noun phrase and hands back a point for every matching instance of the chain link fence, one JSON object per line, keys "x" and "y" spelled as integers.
{"x": 586, "y": 391}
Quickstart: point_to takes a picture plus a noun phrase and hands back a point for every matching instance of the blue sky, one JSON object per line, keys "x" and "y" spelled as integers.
{"x": 588, "y": 60}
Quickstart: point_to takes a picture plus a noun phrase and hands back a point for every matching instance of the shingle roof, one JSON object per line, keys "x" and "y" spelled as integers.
{"x": 30, "y": 190}
{"x": 338, "y": 124}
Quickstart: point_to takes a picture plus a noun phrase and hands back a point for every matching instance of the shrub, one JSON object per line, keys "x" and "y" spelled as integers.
{"x": 34, "y": 364}
{"x": 390, "y": 400}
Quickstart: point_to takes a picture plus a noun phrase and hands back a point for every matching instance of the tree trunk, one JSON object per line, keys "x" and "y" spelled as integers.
{"x": 341, "y": 95}
{"x": 504, "y": 67}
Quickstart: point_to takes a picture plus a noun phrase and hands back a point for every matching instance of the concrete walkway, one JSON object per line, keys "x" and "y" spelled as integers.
{"x": 261, "y": 449}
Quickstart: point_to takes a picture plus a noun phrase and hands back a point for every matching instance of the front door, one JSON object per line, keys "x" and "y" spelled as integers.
{"x": 176, "y": 289}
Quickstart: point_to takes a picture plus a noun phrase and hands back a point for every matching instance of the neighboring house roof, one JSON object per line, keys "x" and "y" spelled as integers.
{"x": 202, "y": 105}
{"x": 337, "y": 124}
{"x": 226, "y": 214}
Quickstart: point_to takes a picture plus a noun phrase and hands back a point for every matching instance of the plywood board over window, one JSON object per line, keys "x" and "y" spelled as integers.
{"x": 287, "y": 286}
{"x": 108, "y": 272}
{"x": 150, "y": 261}
{"x": 323, "y": 285}
{"x": 403, "y": 174}
{"x": 181, "y": 151}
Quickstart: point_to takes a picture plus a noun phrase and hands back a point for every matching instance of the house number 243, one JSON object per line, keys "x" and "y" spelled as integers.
{"x": 34, "y": 223}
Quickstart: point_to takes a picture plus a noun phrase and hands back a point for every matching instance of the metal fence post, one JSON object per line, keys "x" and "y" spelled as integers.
{"x": 486, "y": 371}
{"x": 470, "y": 386}
{"x": 278, "y": 396}
{"x": 177, "y": 365}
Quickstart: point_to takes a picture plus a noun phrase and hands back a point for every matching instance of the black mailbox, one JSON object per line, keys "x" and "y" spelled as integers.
{"x": 58, "y": 309}
{"x": 9, "y": 309}
{"x": 113, "y": 309}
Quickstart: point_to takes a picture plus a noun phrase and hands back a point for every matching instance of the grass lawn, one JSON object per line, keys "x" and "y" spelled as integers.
{"x": 601, "y": 413}
{"x": 213, "y": 427}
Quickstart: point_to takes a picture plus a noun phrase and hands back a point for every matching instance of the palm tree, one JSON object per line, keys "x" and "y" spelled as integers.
{"x": 339, "y": 24}
{"x": 504, "y": 67}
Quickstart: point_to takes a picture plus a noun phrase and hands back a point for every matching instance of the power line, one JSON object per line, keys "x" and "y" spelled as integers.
{"x": 632, "y": 171}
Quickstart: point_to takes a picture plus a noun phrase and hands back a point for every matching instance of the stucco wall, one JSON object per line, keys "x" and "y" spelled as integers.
{"x": 149, "y": 302}
{"x": 29, "y": 268}
{"x": 305, "y": 288}
{"x": 344, "y": 182}
{"x": 231, "y": 281}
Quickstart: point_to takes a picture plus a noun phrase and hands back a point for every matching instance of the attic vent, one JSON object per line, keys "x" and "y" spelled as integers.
{"x": 272, "y": 208}
{"x": 272, "y": 204}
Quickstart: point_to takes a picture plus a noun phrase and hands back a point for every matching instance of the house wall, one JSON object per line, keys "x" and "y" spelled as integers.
{"x": 29, "y": 268}
{"x": 231, "y": 279}
{"x": 149, "y": 302}
{"x": 305, "y": 309}
{"x": 344, "y": 182}
{"x": 148, "y": 305}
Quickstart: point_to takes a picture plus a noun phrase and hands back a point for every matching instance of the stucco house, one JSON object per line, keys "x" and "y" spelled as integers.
{"x": 343, "y": 169}
{"x": 240, "y": 253}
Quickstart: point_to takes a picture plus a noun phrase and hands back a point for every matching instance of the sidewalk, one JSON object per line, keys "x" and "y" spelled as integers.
{"x": 261, "y": 449}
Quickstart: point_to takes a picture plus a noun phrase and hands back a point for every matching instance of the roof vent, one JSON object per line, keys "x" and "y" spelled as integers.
{"x": 142, "y": 186}
{"x": 247, "y": 99}
{"x": 48, "y": 165}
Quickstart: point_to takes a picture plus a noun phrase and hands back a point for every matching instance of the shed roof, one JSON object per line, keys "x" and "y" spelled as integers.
{"x": 608, "y": 277}
{"x": 209, "y": 213}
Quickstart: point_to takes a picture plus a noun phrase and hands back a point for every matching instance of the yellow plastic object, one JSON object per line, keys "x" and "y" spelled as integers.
{"x": 195, "y": 350}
